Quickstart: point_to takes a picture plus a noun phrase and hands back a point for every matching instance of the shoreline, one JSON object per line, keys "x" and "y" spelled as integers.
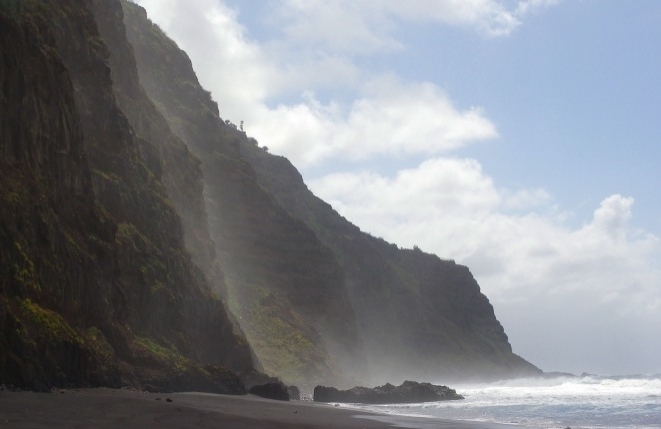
{"x": 114, "y": 408}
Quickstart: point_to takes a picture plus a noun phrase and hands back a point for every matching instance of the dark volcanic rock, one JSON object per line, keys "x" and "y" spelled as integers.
{"x": 407, "y": 393}
{"x": 276, "y": 391}
{"x": 294, "y": 393}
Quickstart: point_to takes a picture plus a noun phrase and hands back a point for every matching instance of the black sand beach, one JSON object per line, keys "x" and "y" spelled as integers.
{"x": 107, "y": 408}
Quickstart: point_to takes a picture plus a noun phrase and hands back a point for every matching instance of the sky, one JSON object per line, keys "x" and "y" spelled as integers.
{"x": 520, "y": 138}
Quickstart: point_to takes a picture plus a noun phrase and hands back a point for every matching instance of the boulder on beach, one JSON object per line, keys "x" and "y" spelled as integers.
{"x": 276, "y": 391}
{"x": 294, "y": 393}
{"x": 407, "y": 393}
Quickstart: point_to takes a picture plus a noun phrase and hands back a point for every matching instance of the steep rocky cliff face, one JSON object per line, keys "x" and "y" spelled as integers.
{"x": 290, "y": 258}
{"x": 420, "y": 316}
{"x": 165, "y": 154}
{"x": 129, "y": 211}
{"x": 96, "y": 286}
{"x": 285, "y": 287}
{"x": 56, "y": 244}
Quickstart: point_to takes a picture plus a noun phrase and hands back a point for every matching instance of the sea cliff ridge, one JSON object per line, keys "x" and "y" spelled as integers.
{"x": 147, "y": 242}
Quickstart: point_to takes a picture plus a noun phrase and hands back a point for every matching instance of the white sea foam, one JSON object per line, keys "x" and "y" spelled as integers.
{"x": 578, "y": 402}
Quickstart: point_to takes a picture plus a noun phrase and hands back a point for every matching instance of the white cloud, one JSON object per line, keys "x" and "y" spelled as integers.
{"x": 235, "y": 69}
{"x": 350, "y": 27}
{"x": 391, "y": 118}
{"x": 523, "y": 8}
{"x": 526, "y": 198}
{"x": 438, "y": 188}
{"x": 364, "y": 26}
{"x": 612, "y": 216}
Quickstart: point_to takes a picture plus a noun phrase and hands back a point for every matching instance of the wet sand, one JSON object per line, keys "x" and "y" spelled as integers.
{"x": 108, "y": 408}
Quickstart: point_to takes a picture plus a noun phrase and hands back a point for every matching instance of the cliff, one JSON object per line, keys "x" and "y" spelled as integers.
{"x": 146, "y": 242}
{"x": 289, "y": 257}
{"x": 167, "y": 156}
{"x": 96, "y": 286}
{"x": 285, "y": 287}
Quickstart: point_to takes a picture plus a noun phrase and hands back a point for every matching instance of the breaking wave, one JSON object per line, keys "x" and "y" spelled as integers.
{"x": 588, "y": 401}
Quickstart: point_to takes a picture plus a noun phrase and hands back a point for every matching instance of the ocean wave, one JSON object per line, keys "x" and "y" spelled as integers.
{"x": 583, "y": 401}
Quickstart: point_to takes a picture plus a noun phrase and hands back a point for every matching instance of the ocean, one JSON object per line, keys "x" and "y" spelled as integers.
{"x": 577, "y": 402}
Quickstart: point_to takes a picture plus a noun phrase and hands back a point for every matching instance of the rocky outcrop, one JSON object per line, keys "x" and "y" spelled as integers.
{"x": 277, "y": 391}
{"x": 409, "y": 392}
{"x": 294, "y": 393}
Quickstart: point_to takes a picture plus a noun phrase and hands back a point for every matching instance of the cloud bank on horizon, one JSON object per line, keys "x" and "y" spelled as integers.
{"x": 312, "y": 81}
